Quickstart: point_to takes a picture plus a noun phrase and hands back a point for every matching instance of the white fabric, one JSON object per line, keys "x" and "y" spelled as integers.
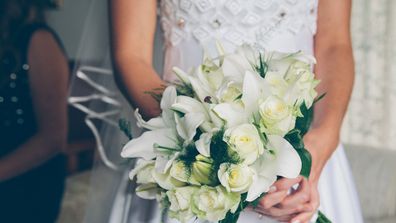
{"x": 289, "y": 26}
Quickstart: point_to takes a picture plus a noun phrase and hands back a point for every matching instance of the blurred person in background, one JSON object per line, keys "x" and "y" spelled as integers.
{"x": 33, "y": 116}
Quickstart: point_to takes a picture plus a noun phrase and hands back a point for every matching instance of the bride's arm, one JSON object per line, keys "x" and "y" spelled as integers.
{"x": 133, "y": 26}
{"x": 335, "y": 69}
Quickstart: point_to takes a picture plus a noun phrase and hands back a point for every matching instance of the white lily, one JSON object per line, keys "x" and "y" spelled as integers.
{"x": 203, "y": 144}
{"x": 280, "y": 159}
{"x": 162, "y": 137}
{"x": 144, "y": 145}
{"x": 255, "y": 89}
{"x": 192, "y": 106}
{"x": 235, "y": 66}
{"x": 166, "y": 118}
{"x": 183, "y": 76}
{"x": 187, "y": 125}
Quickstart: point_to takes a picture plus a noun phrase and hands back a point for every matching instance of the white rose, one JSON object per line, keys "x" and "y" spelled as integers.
{"x": 229, "y": 92}
{"x": 276, "y": 116}
{"x": 303, "y": 84}
{"x": 235, "y": 178}
{"x": 245, "y": 141}
{"x": 213, "y": 203}
{"x": 143, "y": 172}
{"x": 166, "y": 180}
{"x": 277, "y": 83}
{"x": 148, "y": 191}
{"x": 180, "y": 203}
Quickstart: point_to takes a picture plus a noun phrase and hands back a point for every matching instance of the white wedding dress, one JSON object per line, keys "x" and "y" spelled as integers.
{"x": 281, "y": 25}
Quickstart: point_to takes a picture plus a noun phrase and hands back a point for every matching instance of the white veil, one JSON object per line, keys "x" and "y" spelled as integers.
{"x": 111, "y": 196}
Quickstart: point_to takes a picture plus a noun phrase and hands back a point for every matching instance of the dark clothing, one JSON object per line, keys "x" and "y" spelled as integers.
{"x": 36, "y": 195}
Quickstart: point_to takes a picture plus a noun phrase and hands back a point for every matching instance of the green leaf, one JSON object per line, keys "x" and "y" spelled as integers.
{"x": 294, "y": 137}
{"x": 233, "y": 217}
{"x": 262, "y": 67}
{"x": 322, "y": 218}
{"x": 125, "y": 127}
{"x": 306, "y": 160}
{"x": 256, "y": 202}
{"x": 319, "y": 98}
{"x": 304, "y": 123}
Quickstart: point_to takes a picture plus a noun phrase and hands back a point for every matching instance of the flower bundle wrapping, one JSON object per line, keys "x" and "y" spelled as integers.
{"x": 228, "y": 130}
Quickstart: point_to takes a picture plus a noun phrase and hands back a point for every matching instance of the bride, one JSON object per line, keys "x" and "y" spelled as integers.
{"x": 320, "y": 28}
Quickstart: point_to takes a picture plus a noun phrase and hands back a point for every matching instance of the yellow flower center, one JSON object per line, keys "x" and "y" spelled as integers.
{"x": 245, "y": 139}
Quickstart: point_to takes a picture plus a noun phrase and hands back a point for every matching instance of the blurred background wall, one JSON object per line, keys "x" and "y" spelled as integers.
{"x": 371, "y": 119}
{"x": 69, "y": 23}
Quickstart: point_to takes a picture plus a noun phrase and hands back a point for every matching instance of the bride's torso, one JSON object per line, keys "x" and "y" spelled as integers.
{"x": 191, "y": 25}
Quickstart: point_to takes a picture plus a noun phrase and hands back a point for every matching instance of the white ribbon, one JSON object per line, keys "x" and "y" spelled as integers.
{"x": 106, "y": 96}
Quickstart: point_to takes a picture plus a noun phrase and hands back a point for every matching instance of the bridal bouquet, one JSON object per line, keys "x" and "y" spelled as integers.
{"x": 228, "y": 130}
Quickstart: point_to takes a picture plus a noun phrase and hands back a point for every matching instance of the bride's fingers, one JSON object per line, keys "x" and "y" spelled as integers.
{"x": 282, "y": 213}
{"x": 298, "y": 197}
{"x": 306, "y": 216}
{"x": 270, "y": 200}
{"x": 286, "y": 183}
{"x": 303, "y": 217}
{"x": 281, "y": 188}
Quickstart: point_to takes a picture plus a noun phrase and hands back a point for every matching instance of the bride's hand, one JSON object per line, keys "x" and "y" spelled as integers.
{"x": 320, "y": 142}
{"x": 283, "y": 203}
{"x": 301, "y": 204}
{"x": 312, "y": 205}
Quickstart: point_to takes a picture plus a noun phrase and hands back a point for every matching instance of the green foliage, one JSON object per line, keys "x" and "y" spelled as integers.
{"x": 304, "y": 123}
{"x": 156, "y": 93}
{"x": 165, "y": 204}
{"x": 125, "y": 127}
{"x": 262, "y": 67}
{"x": 219, "y": 151}
{"x": 322, "y": 218}
{"x": 184, "y": 89}
{"x": 256, "y": 202}
{"x": 188, "y": 154}
{"x": 319, "y": 98}
{"x": 233, "y": 217}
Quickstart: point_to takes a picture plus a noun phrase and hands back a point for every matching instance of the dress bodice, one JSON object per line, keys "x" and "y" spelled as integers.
{"x": 189, "y": 25}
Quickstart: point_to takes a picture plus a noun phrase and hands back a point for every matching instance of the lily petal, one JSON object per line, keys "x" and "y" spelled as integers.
{"x": 232, "y": 114}
{"x": 167, "y": 100}
{"x": 143, "y": 146}
{"x": 200, "y": 90}
{"x": 186, "y": 126}
{"x": 203, "y": 144}
{"x": 185, "y": 104}
{"x": 163, "y": 163}
{"x": 147, "y": 191}
{"x": 289, "y": 162}
{"x": 152, "y": 124}
{"x": 183, "y": 76}
{"x": 260, "y": 185}
{"x": 255, "y": 88}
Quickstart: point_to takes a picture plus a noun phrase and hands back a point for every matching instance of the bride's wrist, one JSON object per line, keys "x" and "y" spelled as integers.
{"x": 320, "y": 142}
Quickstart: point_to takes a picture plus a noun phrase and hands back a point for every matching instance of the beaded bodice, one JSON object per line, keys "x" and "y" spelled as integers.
{"x": 236, "y": 21}
{"x": 191, "y": 25}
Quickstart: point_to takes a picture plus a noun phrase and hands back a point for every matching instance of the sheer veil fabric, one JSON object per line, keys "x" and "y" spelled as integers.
{"x": 187, "y": 26}
{"x": 111, "y": 196}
